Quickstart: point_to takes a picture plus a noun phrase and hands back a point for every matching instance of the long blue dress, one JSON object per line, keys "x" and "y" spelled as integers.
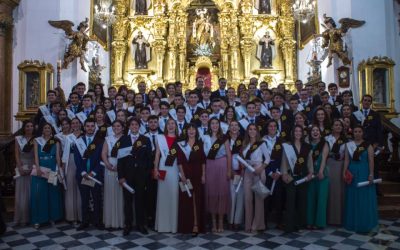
{"x": 46, "y": 199}
{"x": 361, "y": 213}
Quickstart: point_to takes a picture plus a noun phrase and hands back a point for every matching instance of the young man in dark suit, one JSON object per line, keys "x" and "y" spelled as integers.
{"x": 134, "y": 165}
{"x": 220, "y": 93}
{"x": 87, "y": 155}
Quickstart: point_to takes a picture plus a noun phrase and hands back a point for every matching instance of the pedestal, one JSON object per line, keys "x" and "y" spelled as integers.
{"x": 271, "y": 76}
{"x": 141, "y": 75}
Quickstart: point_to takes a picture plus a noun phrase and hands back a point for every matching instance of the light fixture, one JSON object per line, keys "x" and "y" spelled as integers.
{"x": 104, "y": 14}
{"x": 303, "y": 10}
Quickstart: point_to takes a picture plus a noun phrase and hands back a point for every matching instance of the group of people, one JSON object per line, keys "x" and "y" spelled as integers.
{"x": 185, "y": 161}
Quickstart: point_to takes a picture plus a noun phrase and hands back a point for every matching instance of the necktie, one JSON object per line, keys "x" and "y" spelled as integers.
{"x": 192, "y": 112}
{"x": 165, "y": 120}
{"x": 251, "y": 121}
{"x": 87, "y": 112}
{"x": 365, "y": 113}
{"x": 89, "y": 140}
{"x": 180, "y": 126}
{"x": 204, "y": 130}
{"x": 153, "y": 139}
{"x": 74, "y": 110}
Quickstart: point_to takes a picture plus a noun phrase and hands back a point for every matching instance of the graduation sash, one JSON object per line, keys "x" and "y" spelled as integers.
{"x": 81, "y": 116}
{"x": 111, "y": 115}
{"x": 70, "y": 114}
{"x": 265, "y": 111}
{"x": 49, "y": 119}
{"x": 335, "y": 145}
{"x": 102, "y": 131}
{"x": 290, "y": 155}
{"x": 25, "y": 145}
{"x": 318, "y": 149}
{"x": 252, "y": 148}
{"x": 45, "y": 111}
{"x": 356, "y": 151}
{"x": 113, "y": 145}
{"x": 49, "y": 144}
{"x": 244, "y": 123}
{"x": 236, "y": 145}
{"x": 301, "y": 159}
{"x": 186, "y": 149}
{"x": 69, "y": 141}
{"x": 172, "y": 154}
{"x": 224, "y": 127}
{"x": 359, "y": 116}
{"x": 212, "y": 153}
{"x": 275, "y": 151}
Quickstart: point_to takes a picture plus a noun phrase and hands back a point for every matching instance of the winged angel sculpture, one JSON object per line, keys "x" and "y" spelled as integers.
{"x": 79, "y": 39}
{"x": 332, "y": 37}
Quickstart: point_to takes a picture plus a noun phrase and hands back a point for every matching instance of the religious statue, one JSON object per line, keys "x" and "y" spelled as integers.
{"x": 333, "y": 37}
{"x": 140, "y": 7}
{"x": 203, "y": 30}
{"x": 263, "y": 6}
{"x": 141, "y": 51}
{"x": 264, "y": 50}
{"x": 79, "y": 39}
{"x": 33, "y": 100}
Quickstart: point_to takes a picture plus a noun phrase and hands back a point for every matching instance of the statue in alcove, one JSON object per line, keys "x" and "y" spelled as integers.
{"x": 141, "y": 51}
{"x": 263, "y": 6}
{"x": 265, "y": 50}
{"x": 140, "y": 7}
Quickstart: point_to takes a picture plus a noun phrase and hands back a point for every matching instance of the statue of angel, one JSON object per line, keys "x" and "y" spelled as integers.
{"x": 332, "y": 37}
{"x": 79, "y": 39}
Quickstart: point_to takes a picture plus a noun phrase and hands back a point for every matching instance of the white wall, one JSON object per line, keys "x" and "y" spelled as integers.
{"x": 378, "y": 37}
{"x": 35, "y": 39}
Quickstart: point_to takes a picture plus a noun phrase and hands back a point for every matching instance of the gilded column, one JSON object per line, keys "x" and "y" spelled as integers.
{"x": 288, "y": 45}
{"x": 182, "y": 21}
{"x": 119, "y": 43}
{"x": 172, "y": 43}
{"x": 159, "y": 45}
{"x": 6, "y": 38}
{"x": 224, "y": 21}
{"x": 246, "y": 43}
{"x": 234, "y": 48}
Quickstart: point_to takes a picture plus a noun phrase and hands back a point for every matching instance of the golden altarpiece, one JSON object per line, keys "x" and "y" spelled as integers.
{"x": 175, "y": 30}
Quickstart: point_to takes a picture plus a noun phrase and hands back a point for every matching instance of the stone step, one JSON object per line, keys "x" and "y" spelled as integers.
{"x": 389, "y": 212}
{"x": 391, "y": 199}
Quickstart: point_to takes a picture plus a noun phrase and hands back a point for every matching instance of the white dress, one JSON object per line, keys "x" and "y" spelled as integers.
{"x": 113, "y": 212}
{"x": 168, "y": 192}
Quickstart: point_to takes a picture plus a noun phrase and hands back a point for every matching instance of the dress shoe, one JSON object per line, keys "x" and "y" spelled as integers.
{"x": 143, "y": 230}
{"x": 126, "y": 231}
{"x": 82, "y": 226}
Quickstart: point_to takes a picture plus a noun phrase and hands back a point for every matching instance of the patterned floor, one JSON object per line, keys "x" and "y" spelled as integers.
{"x": 64, "y": 236}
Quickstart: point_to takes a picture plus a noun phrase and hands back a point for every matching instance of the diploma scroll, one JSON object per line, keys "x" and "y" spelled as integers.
{"x": 17, "y": 174}
{"x": 274, "y": 181}
{"x": 61, "y": 177}
{"x": 95, "y": 180}
{"x": 186, "y": 187}
{"x": 301, "y": 181}
{"x": 246, "y": 164}
{"x": 239, "y": 184}
{"x": 127, "y": 187}
{"x": 366, "y": 183}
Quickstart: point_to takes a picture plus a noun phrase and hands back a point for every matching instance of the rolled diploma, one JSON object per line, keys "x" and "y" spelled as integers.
{"x": 274, "y": 181}
{"x": 127, "y": 187}
{"x": 366, "y": 183}
{"x": 186, "y": 187}
{"x": 239, "y": 184}
{"x": 95, "y": 180}
{"x": 247, "y": 165}
{"x": 17, "y": 174}
{"x": 301, "y": 181}
{"x": 61, "y": 173}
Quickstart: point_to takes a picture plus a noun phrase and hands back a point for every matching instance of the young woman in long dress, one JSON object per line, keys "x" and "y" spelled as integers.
{"x": 24, "y": 159}
{"x": 334, "y": 162}
{"x": 191, "y": 163}
{"x": 166, "y": 169}
{"x": 46, "y": 199}
{"x": 296, "y": 164}
{"x": 361, "y": 212}
{"x": 218, "y": 174}
{"x": 317, "y": 196}
{"x": 113, "y": 209}
{"x": 255, "y": 153}
{"x": 72, "y": 196}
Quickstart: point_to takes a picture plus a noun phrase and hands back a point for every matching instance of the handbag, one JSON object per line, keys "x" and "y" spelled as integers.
{"x": 260, "y": 189}
{"x": 348, "y": 177}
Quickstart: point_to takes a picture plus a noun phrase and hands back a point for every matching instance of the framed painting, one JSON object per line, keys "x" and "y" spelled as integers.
{"x": 306, "y": 31}
{"x": 97, "y": 31}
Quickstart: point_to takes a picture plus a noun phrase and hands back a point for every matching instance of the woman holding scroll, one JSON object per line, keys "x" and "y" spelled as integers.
{"x": 255, "y": 153}
{"x": 296, "y": 165}
{"x": 166, "y": 170}
{"x": 361, "y": 212}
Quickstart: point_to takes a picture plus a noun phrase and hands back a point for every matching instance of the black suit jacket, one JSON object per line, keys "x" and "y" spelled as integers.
{"x": 216, "y": 94}
{"x": 373, "y": 128}
{"x": 140, "y": 157}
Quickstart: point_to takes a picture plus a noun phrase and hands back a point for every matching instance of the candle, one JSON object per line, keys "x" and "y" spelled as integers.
{"x": 58, "y": 64}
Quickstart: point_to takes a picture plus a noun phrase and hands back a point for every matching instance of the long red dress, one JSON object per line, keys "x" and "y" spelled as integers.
{"x": 193, "y": 171}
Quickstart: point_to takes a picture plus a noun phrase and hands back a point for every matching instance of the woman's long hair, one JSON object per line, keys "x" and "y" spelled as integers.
{"x": 220, "y": 134}
{"x": 246, "y": 139}
{"x": 166, "y": 129}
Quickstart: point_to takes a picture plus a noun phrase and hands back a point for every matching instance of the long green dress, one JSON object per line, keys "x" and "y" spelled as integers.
{"x": 46, "y": 199}
{"x": 361, "y": 213}
{"x": 317, "y": 196}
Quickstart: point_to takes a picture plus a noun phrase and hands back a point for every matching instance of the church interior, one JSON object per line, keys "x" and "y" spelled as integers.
{"x": 55, "y": 44}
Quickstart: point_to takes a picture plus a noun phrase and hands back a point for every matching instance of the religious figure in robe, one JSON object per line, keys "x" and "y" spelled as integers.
{"x": 263, "y": 6}
{"x": 203, "y": 30}
{"x": 141, "y": 51}
{"x": 265, "y": 50}
{"x": 140, "y": 7}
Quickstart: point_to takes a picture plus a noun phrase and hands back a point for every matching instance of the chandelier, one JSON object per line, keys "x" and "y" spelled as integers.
{"x": 304, "y": 10}
{"x": 104, "y": 14}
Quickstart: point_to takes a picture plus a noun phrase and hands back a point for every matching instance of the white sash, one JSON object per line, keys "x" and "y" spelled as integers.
{"x": 70, "y": 114}
{"x": 235, "y": 162}
{"x": 81, "y": 146}
{"x": 45, "y": 111}
{"x": 111, "y": 114}
{"x": 224, "y": 127}
{"x": 123, "y": 152}
{"x": 264, "y": 110}
{"x": 22, "y": 141}
{"x": 240, "y": 111}
{"x": 131, "y": 109}
{"x": 161, "y": 122}
{"x": 244, "y": 123}
{"x": 360, "y": 116}
{"x": 330, "y": 140}
{"x": 41, "y": 141}
{"x": 111, "y": 140}
{"x": 290, "y": 155}
{"x": 172, "y": 113}
{"x": 185, "y": 148}
{"x": 351, "y": 147}
{"x": 207, "y": 144}
{"x": 163, "y": 145}
{"x": 81, "y": 116}
{"x": 69, "y": 141}
{"x": 52, "y": 122}
{"x": 270, "y": 145}
{"x": 62, "y": 138}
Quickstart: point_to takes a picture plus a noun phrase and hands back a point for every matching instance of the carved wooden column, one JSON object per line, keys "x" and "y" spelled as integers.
{"x": 6, "y": 37}
{"x": 172, "y": 43}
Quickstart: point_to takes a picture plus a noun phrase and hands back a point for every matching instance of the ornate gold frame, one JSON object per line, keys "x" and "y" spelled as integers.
{"x": 92, "y": 35}
{"x": 366, "y": 82}
{"x": 45, "y": 77}
{"x": 317, "y": 30}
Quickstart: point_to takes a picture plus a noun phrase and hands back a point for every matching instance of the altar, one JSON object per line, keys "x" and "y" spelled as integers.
{"x": 163, "y": 41}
